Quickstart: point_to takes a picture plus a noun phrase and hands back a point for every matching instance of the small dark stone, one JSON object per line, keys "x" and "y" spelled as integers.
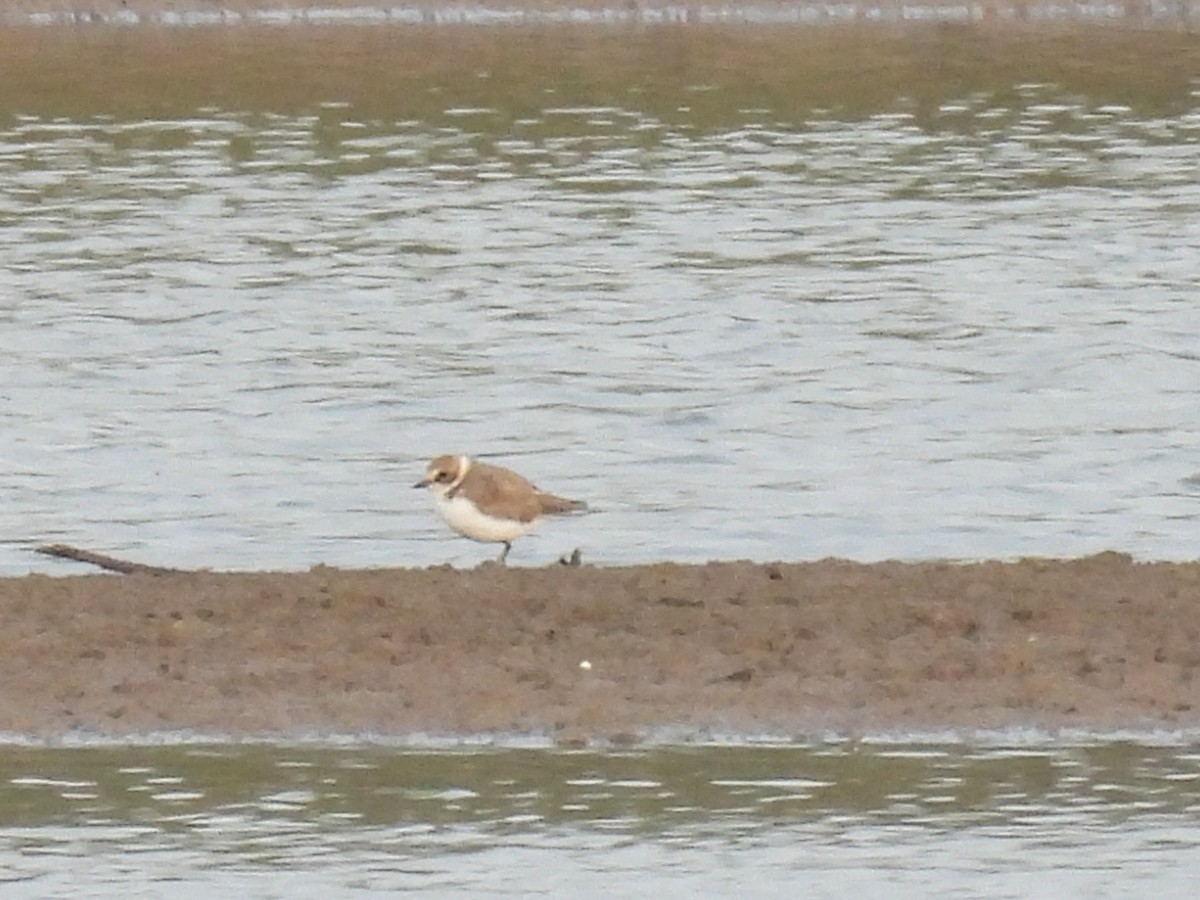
{"x": 680, "y": 602}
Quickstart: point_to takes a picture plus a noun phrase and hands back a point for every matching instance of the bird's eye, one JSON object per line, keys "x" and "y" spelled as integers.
{"x": 442, "y": 476}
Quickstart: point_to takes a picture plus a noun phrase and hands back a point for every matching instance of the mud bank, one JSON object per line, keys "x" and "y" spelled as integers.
{"x": 780, "y": 649}
{"x": 352, "y": 72}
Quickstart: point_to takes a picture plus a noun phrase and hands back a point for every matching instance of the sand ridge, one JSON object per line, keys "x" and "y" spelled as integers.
{"x": 766, "y": 649}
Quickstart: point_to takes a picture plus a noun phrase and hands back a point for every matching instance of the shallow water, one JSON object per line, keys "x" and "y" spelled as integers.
{"x": 231, "y": 339}
{"x": 1003, "y": 819}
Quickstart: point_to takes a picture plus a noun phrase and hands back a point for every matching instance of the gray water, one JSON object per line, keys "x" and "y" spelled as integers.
{"x": 869, "y": 819}
{"x": 232, "y": 340}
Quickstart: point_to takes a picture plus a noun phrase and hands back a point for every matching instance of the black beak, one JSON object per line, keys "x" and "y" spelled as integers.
{"x": 424, "y": 482}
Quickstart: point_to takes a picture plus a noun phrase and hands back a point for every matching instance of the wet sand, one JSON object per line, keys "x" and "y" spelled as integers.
{"x": 683, "y": 650}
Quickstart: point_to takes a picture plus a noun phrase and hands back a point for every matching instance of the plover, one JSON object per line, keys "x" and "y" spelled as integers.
{"x": 489, "y": 503}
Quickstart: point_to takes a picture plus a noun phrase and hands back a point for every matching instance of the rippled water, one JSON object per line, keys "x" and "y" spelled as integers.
{"x": 905, "y": 820}
{"x": 231, "y": 339}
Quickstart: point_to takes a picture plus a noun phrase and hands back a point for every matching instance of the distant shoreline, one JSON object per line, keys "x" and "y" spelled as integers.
{"x": 407, "y": 72}
{"x": 1143, "y": 13}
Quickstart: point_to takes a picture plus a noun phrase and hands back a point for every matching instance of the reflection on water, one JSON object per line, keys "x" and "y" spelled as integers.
{"x": 304, "y": 821}
{"x": 955, "y": 330}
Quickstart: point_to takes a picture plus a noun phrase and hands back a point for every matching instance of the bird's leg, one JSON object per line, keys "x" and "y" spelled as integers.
{"x": 504, "y": 555}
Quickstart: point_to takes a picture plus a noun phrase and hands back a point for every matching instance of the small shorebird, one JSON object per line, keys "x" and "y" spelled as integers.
{"x": 489, "y": 503}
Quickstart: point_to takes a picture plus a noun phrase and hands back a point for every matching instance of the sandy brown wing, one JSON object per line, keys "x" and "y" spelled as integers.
{"x": 495, "y": 488}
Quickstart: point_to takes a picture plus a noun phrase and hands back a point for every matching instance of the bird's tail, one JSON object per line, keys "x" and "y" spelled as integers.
{"x": 553, "y": 506}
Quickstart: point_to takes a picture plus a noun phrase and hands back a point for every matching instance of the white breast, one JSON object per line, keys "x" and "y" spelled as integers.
{"x": 464, "y": 517}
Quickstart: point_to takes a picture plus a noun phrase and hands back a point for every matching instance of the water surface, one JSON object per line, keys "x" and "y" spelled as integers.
{"x": 938, "y": 324}
{"x": 999, "y": 819}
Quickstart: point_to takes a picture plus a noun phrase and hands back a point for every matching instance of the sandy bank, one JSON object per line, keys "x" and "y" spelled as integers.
{"x": 789, "y": 649}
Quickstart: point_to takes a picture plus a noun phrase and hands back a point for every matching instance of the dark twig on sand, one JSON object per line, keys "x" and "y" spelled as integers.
{"x": 64, "y": 551}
